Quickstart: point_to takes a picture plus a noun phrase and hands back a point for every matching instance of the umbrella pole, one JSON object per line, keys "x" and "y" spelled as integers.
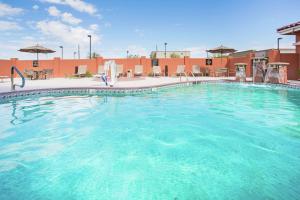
{"x": 37, "y": 58}
{"x": 221, "y": 56}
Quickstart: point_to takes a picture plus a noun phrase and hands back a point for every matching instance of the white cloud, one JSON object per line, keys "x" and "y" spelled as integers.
{"x": 197, "y": 51}
{"x": 65, "y": 33}
{"x": 35, "y": 7}
{"x": 140, "y": 32}
{"x": 65, "y": 17}
{"x": 7, "y": 10}
{"x": 78, "y": 5}
{"x": 53, "y": 11}
{"x": 177, "y": 24}
{"x": 94, "y": 27}
{"x": 8, "y": 25}
{"x": 107, "y": 25}
{"x": 69, "y": 18}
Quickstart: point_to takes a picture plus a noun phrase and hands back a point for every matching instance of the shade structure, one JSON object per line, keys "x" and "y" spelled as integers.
{"x": 36, "y": 49}
{"x": 222, "y": 49}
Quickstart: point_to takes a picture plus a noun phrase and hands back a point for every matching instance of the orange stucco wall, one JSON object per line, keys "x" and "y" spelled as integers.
{"x": 66, "y": 67}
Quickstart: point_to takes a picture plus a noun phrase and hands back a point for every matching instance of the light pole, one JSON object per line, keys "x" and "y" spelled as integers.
{"x": 78, "y": 51}
{"x": 278, "y": 41}
{"x": 127, "y": 53}
{"x": 166, "y": 49}
{"x": 62, "y": 52}
{"x": 74, "y": 54}
{"x": 90, "y": 46}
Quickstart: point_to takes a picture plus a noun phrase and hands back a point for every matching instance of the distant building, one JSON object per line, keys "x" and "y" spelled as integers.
{"x": 170, "y": 54}
{"x": 287, "y": 51}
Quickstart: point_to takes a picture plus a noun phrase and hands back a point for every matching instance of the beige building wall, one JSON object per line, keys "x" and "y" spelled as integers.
{"x": 161, "y": 54}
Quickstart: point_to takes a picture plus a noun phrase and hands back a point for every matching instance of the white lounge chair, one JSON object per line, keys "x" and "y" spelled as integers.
{"x": 2, "y": 78}
{"x": 138, "y": 70}
{"x": 119, "y": 70}
{"x": 180, "y": 70}
{"x": 100, "y": 71}
{"x": 156, "y": 70}
{"x": 221, "y": 71}
{"x": 81, "y": 71}
{"x": 196, "y": 70}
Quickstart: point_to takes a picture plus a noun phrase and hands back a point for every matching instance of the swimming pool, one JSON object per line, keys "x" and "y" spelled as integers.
{"x": 208, "y": 141}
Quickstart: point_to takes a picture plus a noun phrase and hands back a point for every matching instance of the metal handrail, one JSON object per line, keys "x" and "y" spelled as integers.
{"x": 187, "y": 79}
{"x": 194, "y": 77}
{"x": 12, "y": 73}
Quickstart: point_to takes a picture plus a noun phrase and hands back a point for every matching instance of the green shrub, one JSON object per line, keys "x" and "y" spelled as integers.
{"x": 150, "y": 74}
{"x": 88, "y": 74}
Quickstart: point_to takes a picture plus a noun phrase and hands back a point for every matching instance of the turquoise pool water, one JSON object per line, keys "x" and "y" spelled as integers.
{"x": 214, "y": 141}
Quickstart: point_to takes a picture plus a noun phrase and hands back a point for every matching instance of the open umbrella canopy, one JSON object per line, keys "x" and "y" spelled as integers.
{"x": 36, "y": 49}
{"x": 222, "y": 49}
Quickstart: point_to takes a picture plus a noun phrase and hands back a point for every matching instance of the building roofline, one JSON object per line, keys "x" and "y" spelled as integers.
{"x": 290, "y": 29}
{"x": 170, "y": 51}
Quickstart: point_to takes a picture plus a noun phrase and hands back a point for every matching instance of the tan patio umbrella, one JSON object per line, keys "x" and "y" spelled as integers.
{"x": 221, "y": 49}
{"x": 37, "y": 49}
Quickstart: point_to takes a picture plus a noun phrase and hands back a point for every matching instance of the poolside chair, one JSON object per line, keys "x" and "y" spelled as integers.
{"x": 100, "y": 71}
{"x": 207, "y": 71}
{"x": 48, "y": 73}
{"x": 2, "y": 78}
{"x": 81, "y": 72}
{"x": 180, "y": 70}
{"x": 29, "y": 73}
{"x": 156, "y": 70}
{"x": 196, "y": 71}
{"x": 119, "y": 70}
{"x": 138, "y": 70}
{"x": 223, "y": 71}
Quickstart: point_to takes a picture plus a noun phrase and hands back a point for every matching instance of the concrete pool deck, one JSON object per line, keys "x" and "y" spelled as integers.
{"x": 5, "y": 86}
{"x": 56, "y": 83}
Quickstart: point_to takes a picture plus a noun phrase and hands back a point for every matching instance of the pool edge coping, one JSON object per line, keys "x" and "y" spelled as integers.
{"x": 124, "y": 90}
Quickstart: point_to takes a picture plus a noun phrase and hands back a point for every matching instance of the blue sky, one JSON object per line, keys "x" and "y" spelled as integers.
{"x": 139, "y": 25}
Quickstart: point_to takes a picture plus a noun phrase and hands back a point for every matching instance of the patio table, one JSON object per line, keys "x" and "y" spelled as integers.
{"x": 39, "y": 74}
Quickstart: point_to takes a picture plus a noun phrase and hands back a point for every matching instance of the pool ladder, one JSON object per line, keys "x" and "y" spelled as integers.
{"x": 12, "y": 74}
{"x": 187, "y": 78}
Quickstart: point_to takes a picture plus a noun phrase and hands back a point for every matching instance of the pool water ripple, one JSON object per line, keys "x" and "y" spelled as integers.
{"x": 209, "y": 141}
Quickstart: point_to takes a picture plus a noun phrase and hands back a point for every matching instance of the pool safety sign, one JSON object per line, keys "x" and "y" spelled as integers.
{"x": 35, "y": 63}
{"x": 208, "y": 61}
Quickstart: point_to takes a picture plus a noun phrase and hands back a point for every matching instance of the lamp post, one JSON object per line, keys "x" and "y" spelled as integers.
{"x": 62, "y": 52}
{"x": 278, "y": 43}
{"x": 74, "y": 54}
{"x": 166, "y": 49}
{"x": 78, "y": 51}
{"x": 90, "y": 46}
{"x": 127, "y": 53}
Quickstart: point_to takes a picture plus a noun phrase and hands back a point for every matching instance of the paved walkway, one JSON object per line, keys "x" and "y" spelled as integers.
{"x": 91, "y": 82}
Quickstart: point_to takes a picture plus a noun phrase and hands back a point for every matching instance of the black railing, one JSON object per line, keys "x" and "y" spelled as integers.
{"x": 12, "y": 74}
